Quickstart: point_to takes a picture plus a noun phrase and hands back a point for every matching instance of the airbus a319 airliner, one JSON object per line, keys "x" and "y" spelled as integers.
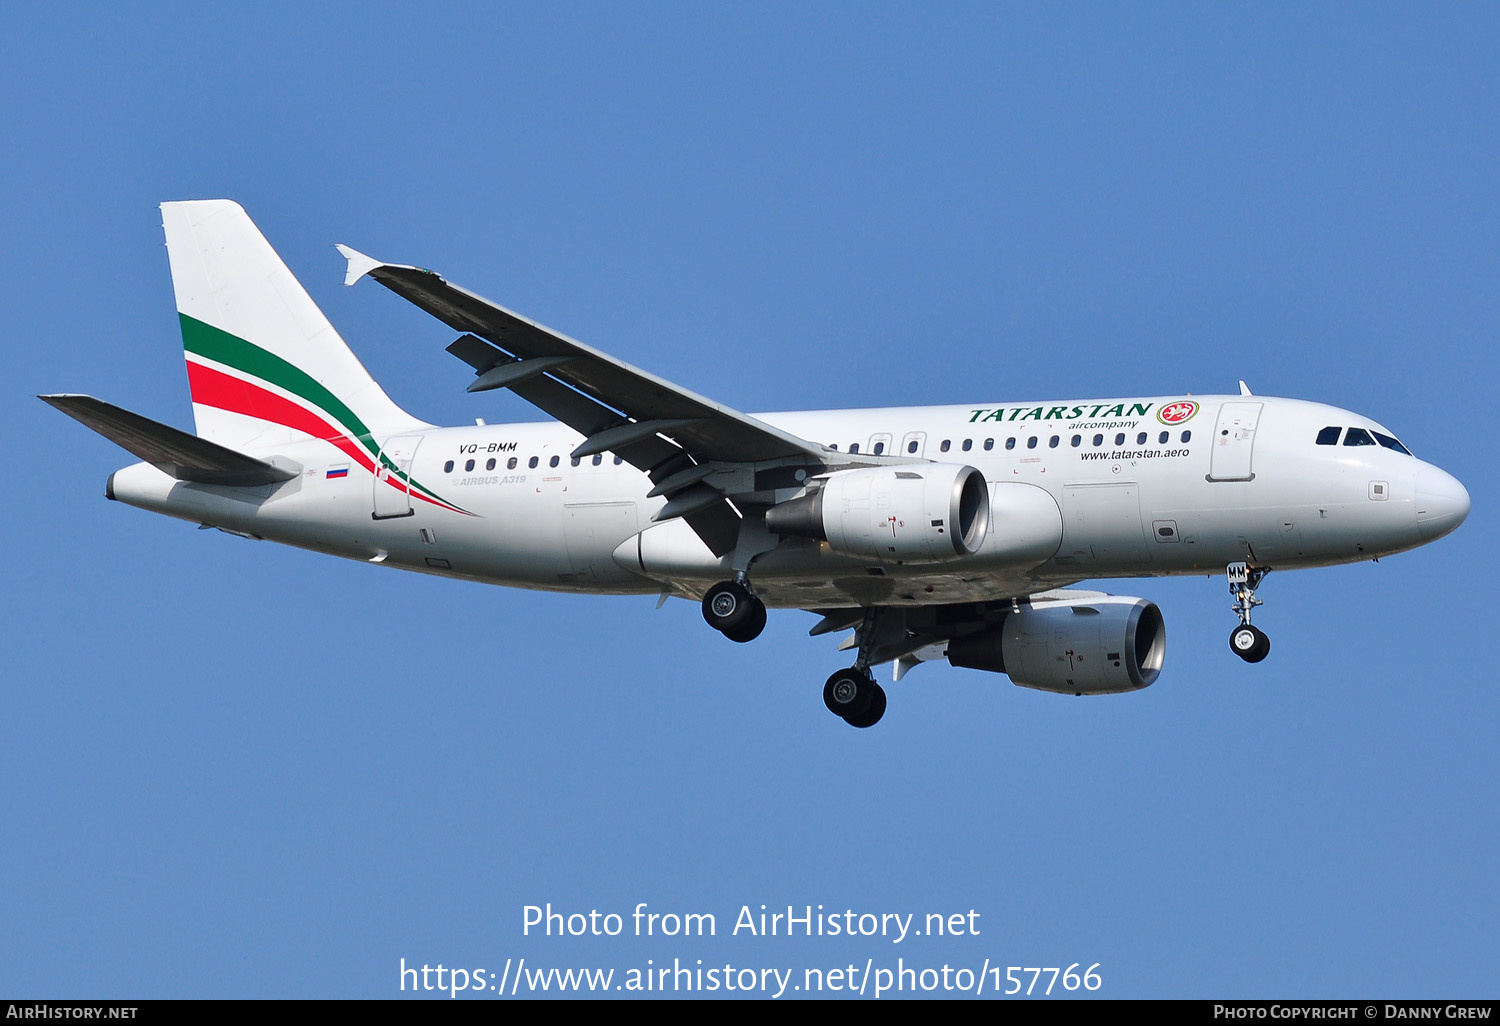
{"x": 932, "y": 532}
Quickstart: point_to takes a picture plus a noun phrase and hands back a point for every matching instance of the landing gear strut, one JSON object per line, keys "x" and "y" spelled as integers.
{"x": 731, "y": 610}
{"x": 852, "y": 694}
{"x": 1248, "y": 642}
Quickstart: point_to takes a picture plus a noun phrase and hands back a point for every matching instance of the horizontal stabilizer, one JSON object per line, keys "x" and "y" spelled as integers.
{"x": 184, "y": 456}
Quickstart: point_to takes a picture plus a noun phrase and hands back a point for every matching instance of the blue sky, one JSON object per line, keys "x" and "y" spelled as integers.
{"x": 233, "y": 769}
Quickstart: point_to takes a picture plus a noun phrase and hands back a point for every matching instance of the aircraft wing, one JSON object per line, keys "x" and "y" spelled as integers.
{"x": 681, "y": 439}
{"x": 698, "y": 424}
{"x": 909, "y": 636}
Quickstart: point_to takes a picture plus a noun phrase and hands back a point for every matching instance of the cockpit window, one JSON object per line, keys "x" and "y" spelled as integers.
{"x": 1358, "y": 436}
{"x": 1390, "y": 443}
{"x": 1329, "y": 436}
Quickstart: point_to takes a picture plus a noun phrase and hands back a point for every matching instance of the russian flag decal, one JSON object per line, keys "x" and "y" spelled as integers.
{"x": 333, "y": 472}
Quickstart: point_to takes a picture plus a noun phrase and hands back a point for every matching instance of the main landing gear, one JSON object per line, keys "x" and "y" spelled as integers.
{"x": 1247, "y": 642}
{"x": 854, "y": 695}
{"x": 731, "y": 610}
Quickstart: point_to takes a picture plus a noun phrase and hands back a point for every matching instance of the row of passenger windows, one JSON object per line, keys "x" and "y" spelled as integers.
{"x": 1327, "y": 436}
{"x": 533, "y": 463}
{"x": 1359, "y": 436}
{"x": 1032, "y": 442}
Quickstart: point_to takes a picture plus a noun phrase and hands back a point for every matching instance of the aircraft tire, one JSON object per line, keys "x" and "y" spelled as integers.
{"x": 872, "y": 715}
{"x": 751, "y": 628}
{"x": 728, "y": 605}
{"x": 849, "y": 693}
{"x": 1249, "y": 643}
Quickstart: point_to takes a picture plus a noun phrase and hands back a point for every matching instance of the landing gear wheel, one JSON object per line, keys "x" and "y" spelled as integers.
{"x": 1245, "y": 641}
{"x": 870, "y": 716}
{"x": 751, "y": 628}
{"x": 728, "y": 605}
{"x": 1249, "y": 643}
{"x": 849, "y": 693}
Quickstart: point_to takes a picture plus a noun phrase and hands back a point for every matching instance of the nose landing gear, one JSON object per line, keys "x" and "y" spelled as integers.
{"x": 1248, "y": 642}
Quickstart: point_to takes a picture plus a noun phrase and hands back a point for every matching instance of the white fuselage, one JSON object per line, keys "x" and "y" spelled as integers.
{"x": 1078, "y": 490}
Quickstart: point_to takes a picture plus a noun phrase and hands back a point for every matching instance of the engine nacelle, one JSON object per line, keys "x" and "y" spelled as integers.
{"x": 1097, "y": 646}
{"x": 913, "y": 513}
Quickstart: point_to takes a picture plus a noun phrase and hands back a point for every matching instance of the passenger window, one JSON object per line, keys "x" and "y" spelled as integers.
{"x": 1390, "y": 443}
{"x": 468, "y": 465}
{"x": 1077, "y": 441}
{"x": 968, "y": 444}
{"x": 510, "y": 464}
{"x": 489, "y": 464}
{"x": 989, "y": 443}
{"x": 532, "y": 462}
{"x": 1329, "y": 436}
{"x": 552, "y": 462}
{"x": 577, "y": 460}
{"x": 1052, "y": 442}
{"x": 1187, "y": 436}
{"x": 1120, "y": 438}
{"x": 1010, "y": 443}
{"x": 448, "y": 467}
{"x": 911, "y": 446}
{"x": 1140, "y": 439}
{"x": 1098, "y": 439}
{"x": 854, "y": 447}
{"x": 598, "y": 458}
{"x": 1358, "y": 436}
{"x": 618, "y": 461}
{"x": 947, "y": 444}
{"x": 879, "y": 448}
{"x": 1031, "y": 442}
{"x": 1161, "y": 439}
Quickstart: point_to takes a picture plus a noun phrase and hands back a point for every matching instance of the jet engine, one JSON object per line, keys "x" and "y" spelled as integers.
{"x": 914, "y": 513}
{"x": 1096, "y": 646}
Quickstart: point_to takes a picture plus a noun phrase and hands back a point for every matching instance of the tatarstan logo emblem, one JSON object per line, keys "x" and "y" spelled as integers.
{"x": 1176, "y": 413}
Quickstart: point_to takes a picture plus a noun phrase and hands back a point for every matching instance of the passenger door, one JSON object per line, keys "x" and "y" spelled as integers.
{"x": 392, "y": 489}
{"x": 1234, "y": 442}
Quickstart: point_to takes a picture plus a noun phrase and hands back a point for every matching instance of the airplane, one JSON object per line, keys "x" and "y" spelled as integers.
{"x": 934, "y": 532}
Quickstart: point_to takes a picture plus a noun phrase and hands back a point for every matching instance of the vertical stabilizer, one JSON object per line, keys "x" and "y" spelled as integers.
{"x": 266, "y": 368}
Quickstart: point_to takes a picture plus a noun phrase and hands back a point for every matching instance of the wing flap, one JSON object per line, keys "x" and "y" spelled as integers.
{"x": 185, "y": 457}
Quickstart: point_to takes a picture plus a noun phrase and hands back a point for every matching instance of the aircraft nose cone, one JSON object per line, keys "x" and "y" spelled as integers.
{"x": 1441, "y": 502}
